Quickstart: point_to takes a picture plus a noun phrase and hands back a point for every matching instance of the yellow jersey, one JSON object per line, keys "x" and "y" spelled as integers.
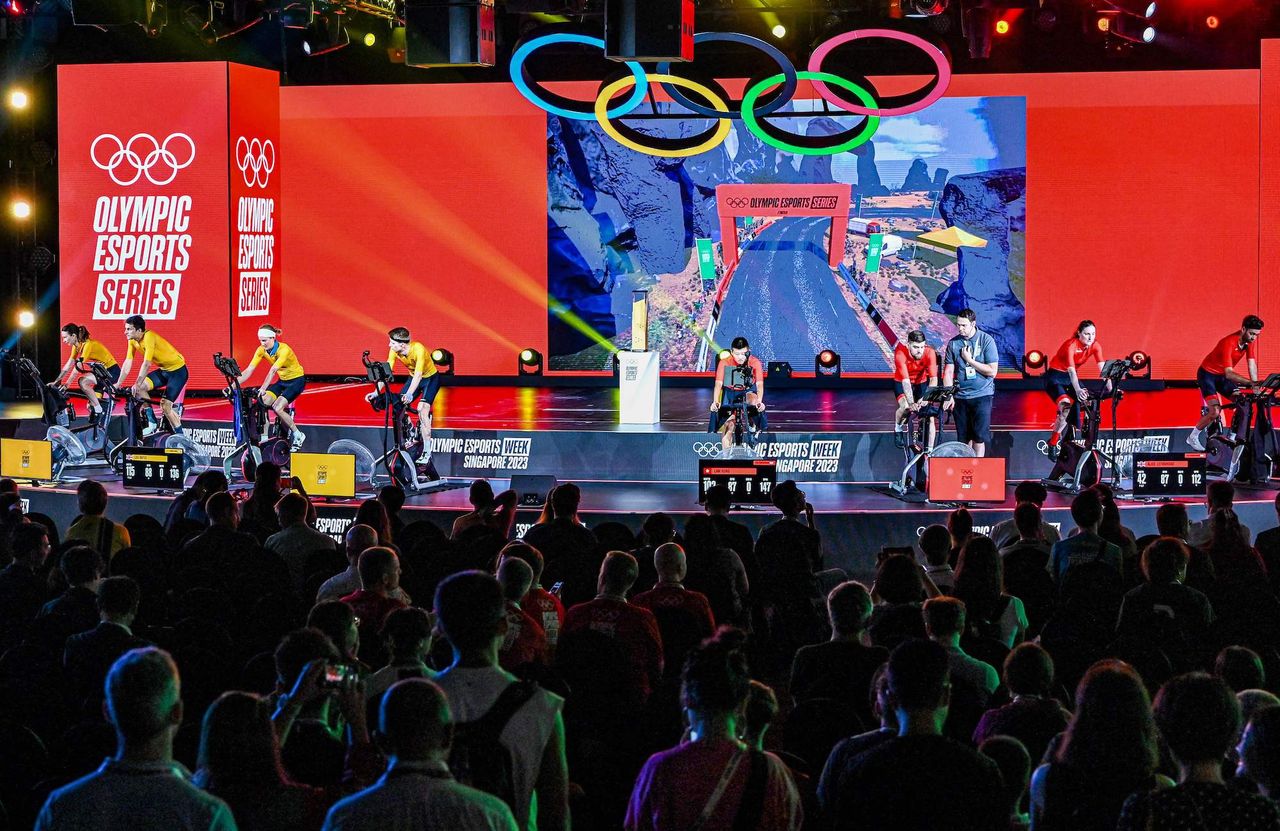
{"x": 285, "y": 361}
{"x": 158, "y": 351}
{"x": 418, "y": 360}
{"x": 94, "y": 350}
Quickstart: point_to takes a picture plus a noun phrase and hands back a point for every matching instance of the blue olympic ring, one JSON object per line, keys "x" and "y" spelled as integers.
{"x": 780, "y": 99}
{"x": 526, "y": 86}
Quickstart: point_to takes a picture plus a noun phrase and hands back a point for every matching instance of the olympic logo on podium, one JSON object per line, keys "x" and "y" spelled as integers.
{"x": 761, "y": 100}
{"x": 127, "y": 154}
{"x": 256, "y": 159}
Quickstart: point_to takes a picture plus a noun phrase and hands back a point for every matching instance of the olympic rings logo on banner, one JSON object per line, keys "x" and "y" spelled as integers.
{"x": 759, "y": 101}
{"x": 142, "y": 165}
{"x": 736, "y": 202}
{"x": 256, "y": 159}
{"x": 706, "y": 449}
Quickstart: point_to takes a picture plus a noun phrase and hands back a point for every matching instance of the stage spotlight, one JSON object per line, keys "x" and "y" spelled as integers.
{"x": 443, "y": 359}
{"x": 1141, "y": 364}
{"x": 530, "y": 362}
{"x": 26, "y": 319}
{"x": 1002, "y": 27}
{"x": 778, "y": 369}
{"x": 370, "y": 38}
{"x": 325, "y": 34}
{"x": 1212, "y": 21}
{"x": 826, "y": 364}
{"x": 923, "y": 8}
{"x": 724, "y": 354}
{"x": 20, "y": 209}
{"x": 779, "y": 31}
{"x": 1033, "y": 363}
{"x": 18, "y": 99}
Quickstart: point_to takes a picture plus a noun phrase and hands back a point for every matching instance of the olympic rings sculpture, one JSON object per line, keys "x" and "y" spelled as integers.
{"x": 759, "y": 101}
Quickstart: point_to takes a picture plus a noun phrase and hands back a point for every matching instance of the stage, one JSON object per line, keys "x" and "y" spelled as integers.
{"x": 836, "y": 443}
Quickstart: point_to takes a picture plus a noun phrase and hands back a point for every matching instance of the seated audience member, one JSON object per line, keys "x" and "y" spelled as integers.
{"x": 935, "y": 545}
{"x": 718, "y": 572}
{"x": 93, "y": 528}
{"x": 684, "y": 615}
{"x": 407, "y": 636}
{"x": 1006, "y": 532}
{"x": 735, "y": 535}
{"x": 1171, "y": 521}
{"x": 919, "y": 778}
{"x": 1014, "y": 763}
{"x": 524, "y": 647}
{"x": 358, "y": 539}
{"x": 791, "y": 544}
{"x": 8, "y": 485}
{"x": 1268, "y": 545}
{"x": 898, "y": 592}
{"x": 1162, "y": 611}
{"x": 1233, "y": 560}
{"x": 847, "y": 749}
{"x": 1259, "y": 751}
{"x": 569, "y": 549}
{"x": 88, "y": 656}
{"x": 1219, "y": 495}
{"x": 1033, "y": 717}
{"x": 1085, "y": 546}
{"x": 1240, "y": 668}
{"x": 632, "y": 628}
{"x": 1028, "y": 545}
{"x": 239, "y": 763}
{"x": 470, "y": 613}
{"x": 76, "y": 609}
{"x": 374, "y": 514}
{"x": 190, "y": 503}
{"x": 373, "y": 601}
{"x": 392, "y": 497}
{"x": 1109, "y": 750}
{"x": 841, "y": 669}
{"x": 944, "y": 620}
{"x": 960, "y": 527}
{"x": 714, "y": 778}
{"x": 657, "y": 529}
{"x": 496, "y": 512}
{"x": 296, "y": 541}
{"x": 142, "y": 787}
{"x": 221, "y": 538}
{"x": 258, "y": 515}
{"x": 418, "y": 793}
{"x": 1113, "y": 531}
{"x": 991, "y": 611}
{"x": 1199, "y": 718}
{"x": 23, "y": 589}
{"x": 338, "y": 622}
{"x": 758, "y": 714}
{"x": 544, "y": 606}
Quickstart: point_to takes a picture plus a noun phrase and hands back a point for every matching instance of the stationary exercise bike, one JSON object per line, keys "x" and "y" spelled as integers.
{"x": 1248, "y": 452}
{"x": 69, "y": 447}
{"x": 912, "y": 437}
{"x": 138, "y": 426}
{"x": 400, "y": 457}
{"x": 257, "y": 439}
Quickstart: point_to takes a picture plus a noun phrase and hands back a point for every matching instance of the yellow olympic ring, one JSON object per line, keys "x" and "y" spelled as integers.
{"x": 717, "y": 103}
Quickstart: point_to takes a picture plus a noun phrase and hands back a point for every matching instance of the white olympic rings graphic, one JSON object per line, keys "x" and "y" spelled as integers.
{"x": 256, "y": 159}
{"x": 156, "y": 153}
{"x": 706, "y": 449}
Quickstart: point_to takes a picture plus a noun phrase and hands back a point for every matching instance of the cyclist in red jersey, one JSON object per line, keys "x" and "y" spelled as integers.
{"x": 1062, "y": 379}
{"x": 1217, "y": 377}
{"x": 739, "y": 378}
{"x": 915, "y": 369}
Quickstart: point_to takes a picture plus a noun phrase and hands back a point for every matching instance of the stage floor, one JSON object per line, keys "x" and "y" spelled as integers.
{"x": 683, "y": 409}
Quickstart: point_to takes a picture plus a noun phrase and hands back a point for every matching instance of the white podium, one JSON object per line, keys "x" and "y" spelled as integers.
{"x": 639, "y": 396}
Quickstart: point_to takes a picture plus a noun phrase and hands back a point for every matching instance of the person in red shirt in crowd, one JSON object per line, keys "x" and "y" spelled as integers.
{"x": 684, "y": 616}
{"x": 1218, "y": 378}
{"x": 1062, "y": 379}
{"x": 739, "y": 377}
{"x": 379, "y": 578}
{"x": 525, "y": 644}
{"x": 915, "y": 369}
{"x": 634, "y": 629}
{"x": 542, "y": 605}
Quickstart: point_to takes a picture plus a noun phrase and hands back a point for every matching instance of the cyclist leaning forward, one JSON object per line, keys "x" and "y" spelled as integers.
{"x": 169, "y": 375}
{"x": 85, "y": 348}
{"x": 290, "y": 379}
{"x": 1218, "y": 378}
{"x": 1062, "y": 379}
{"x": 423, "y": 383}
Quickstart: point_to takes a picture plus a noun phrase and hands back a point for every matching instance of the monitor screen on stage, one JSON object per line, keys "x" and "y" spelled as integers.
{"x": 26, "y": 459}
{"x": 325, "y": 474}
{"x": 161, "y": 468}
{"x": 966, "y": 479}
{"x": 1159, "y": 475}
{"x": 750, "y": 481}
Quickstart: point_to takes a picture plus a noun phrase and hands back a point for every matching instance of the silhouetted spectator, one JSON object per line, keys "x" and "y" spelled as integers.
{"x": 93, "y": 528}
{"x": 841, "y": 669}
{"x": 1234, "y": 561}
{"x": 1014, "y": 763}
{"x": 991, "y": 611}
{"x": 524, "y": 648}
{"x": 23, "y": 589}
{"x": 1240, "y": 668}
{"x": 407, "y": 636}
{"x": 392, "y": 498}
{"x": 1085, "y": 546}
{"x": 258, "y": 515}
{"x": 338, "y": 621}
{"x": 544, "y": 606}
{"x": 1033, "y": 717}
{"x": 89, "y": 655}
{"x": 496, "y": 512}
{"x": 569, "y": 549}
{"x": 76, "y": 609}
{"x": 1163, "y": 612}
{"x": 358, "y": 539}
{"x": 1219, "y": 495}
{"x": 1260, "y": 750}
{"x": 960, "y": 526}
{"x": 945, "y": 620}
{"x": 1006, "y": 532}
{"x": 379, "y": 578}
{"x": 717, "y": 571}
{"x": 735, "y": 535}
{"x": 374, "y": 514}
{"x": 847, "y": 749}
{"x": 658, "y": 529}
{"x": 1268, "y": 545}
{"x": 222, "y": 538}
{"x": 898, "y": 593}
{"x": 684, "y": 616}
{"x": 1029, "y": 543}
{"x": 935, "y": 545}
{"x": 296, "y": 541}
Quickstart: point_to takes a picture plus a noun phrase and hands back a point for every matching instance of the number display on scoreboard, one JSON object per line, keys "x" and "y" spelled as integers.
{"x": 1169, "y": 474}
{"x": 153, "y": 467}
{"x": 748, "y": 480}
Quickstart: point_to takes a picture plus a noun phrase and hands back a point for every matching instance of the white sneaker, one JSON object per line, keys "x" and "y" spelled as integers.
{"x": 298, "y": 438}
{"x": 1193, "y": 441}
{"x": 424, "y": 457}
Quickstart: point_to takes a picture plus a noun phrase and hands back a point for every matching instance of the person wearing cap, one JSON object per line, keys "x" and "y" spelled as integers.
{"x": 423, "y": 383}
{"x": 285, "y": 379}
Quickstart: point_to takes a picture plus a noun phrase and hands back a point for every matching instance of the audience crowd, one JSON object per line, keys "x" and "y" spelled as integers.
{"x": 233, "y": 667}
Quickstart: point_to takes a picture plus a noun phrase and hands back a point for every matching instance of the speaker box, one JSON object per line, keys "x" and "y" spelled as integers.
{"x": 460, "y": 33}
{"x": 648, "y": 30}
{"x": 531, "y": 489}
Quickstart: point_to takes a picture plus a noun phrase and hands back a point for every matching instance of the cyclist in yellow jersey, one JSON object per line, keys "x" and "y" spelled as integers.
{"x": 292, "y": 380}
{"x": 86, "y": 349}
{"x": 423, "y": 383}
{"x": 170, "y": 374}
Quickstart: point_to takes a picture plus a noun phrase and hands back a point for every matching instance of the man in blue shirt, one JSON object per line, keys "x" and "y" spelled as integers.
{"x": 970, "y": 361}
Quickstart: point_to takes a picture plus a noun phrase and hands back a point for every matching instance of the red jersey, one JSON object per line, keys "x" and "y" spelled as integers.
{"x": 1227, "y": 354}
{"x": 907, "y": 370}
{"x": 668, "y": 596}
{"x": 1073, "y": 354}
{"x": 636, "y": 631}
{"x": 737, "y": 376}
{"x": 546, "y": 608}
{"x": 526, "y": 642}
